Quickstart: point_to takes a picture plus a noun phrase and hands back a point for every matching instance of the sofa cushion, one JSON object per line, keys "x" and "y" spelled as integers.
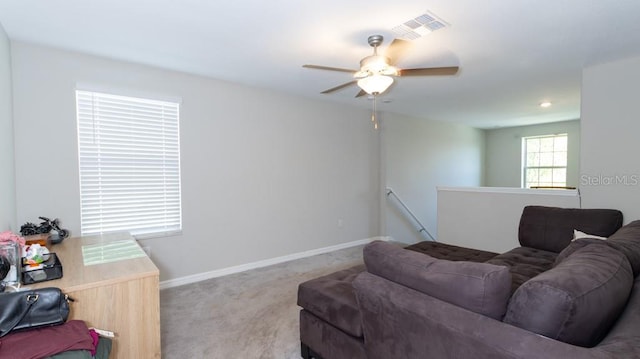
{"x": 551, "y": 228}
{"x": 574, "y": 246}
{"x": 627, "y": 241}
{"x": 331, "y": 298}
{"x": 450, "y": 252}
{"x": 578, "y": 300}
{"x": 524, "y": 263}
{"x": 480, "y": 287}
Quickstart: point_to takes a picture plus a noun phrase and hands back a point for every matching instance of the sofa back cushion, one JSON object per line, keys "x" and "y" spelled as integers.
{"x": 551, "y": 228}
{"x": 479, "y": 287}
{"x": 578, "y": 300}
{"x": 627, "y": 241}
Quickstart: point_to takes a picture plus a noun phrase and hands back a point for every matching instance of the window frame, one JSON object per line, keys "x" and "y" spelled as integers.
{"x": 525, "y": 166}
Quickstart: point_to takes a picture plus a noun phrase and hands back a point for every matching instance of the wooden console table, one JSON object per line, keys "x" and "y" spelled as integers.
{"x": 119, "y": 293}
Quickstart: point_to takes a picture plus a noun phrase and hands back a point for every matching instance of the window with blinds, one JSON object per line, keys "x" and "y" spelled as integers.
{"x": 129, "y": 156}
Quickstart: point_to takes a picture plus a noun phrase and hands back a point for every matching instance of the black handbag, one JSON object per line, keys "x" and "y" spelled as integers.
{"x": 31, "y": 309}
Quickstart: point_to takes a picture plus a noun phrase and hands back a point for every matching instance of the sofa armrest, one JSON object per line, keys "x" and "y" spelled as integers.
{"x": 399, "y": 322}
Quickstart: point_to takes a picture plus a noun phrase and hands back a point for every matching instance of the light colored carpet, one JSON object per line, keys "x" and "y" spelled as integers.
{"x": 247, "y": 315}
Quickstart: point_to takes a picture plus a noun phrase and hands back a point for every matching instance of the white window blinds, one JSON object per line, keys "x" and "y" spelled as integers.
{"x": 129, "y": 155}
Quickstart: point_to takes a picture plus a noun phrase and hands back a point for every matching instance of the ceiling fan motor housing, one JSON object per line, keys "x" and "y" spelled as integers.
{"x": 375, "y": 40}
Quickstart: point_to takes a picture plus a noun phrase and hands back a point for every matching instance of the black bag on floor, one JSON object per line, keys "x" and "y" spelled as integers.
{"x": 31, "y": 309}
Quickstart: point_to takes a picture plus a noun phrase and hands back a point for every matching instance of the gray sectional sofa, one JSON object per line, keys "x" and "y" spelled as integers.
{"x": 552, "y": 297}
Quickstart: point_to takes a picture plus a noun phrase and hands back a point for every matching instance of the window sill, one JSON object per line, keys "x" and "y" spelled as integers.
{"x": 143, "y": 236}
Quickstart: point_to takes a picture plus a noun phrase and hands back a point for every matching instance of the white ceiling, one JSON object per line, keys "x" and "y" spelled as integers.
{"x": 512, "y": 54}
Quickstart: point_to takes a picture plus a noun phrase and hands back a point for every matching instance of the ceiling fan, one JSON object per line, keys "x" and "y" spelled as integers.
{"x": 376, "y": 72}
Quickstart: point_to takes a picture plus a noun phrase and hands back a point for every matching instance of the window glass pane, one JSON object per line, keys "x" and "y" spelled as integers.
{"x": 532, "y": 176}
{"x": 546, "y": 175}
{"x": 533, "y": 145}
{"x": 533, "y": 159}
{"x": 546, "y": 159}
{"x": 546, "y": 144}
{"x": 560, "y": 159}
{"x": 560, "y": 143}
{"x": 559, "y": 176}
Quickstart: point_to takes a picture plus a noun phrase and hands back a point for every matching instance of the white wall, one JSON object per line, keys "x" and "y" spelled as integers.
{"x": 504, "y": 152}
{"x": 610, "y": 164}
{"x": 7, "y": 173}
{"x": 263, "y": 174}
{"x": 419, "y": 156}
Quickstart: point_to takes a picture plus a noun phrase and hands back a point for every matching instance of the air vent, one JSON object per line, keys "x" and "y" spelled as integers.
{"x": 419, "y": 26}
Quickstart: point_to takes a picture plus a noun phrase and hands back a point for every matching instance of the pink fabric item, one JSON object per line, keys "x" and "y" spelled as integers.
{"x": 44, "y": 342}
{"x": 94, "y": 337}
{"x": 8, "y": 236}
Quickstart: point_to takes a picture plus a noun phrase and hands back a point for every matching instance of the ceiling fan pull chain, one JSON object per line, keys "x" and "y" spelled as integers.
{"x": 373, "y": 113}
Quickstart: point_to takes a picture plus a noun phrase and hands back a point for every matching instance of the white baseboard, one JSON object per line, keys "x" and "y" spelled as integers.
{"x": 263, "y": 263}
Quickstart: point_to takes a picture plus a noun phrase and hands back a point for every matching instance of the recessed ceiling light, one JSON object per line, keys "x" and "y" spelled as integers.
{"x": 545, "y": 104}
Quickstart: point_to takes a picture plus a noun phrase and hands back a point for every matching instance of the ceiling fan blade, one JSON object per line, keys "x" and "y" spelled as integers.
{"x": 361, "y": 93}
{"x": 317, "y": 67}
{"x": 339, "y": 87}
{"x": 429, "y": 71}
{"x": 397, "y": 49}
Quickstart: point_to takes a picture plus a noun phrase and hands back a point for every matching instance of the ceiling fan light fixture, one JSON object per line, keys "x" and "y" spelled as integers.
{"x": 375, "y": 84}
{"x": 376, "y": 64}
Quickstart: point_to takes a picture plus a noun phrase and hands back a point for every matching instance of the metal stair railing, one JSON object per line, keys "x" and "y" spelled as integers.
{"x": 421, "y": 228}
